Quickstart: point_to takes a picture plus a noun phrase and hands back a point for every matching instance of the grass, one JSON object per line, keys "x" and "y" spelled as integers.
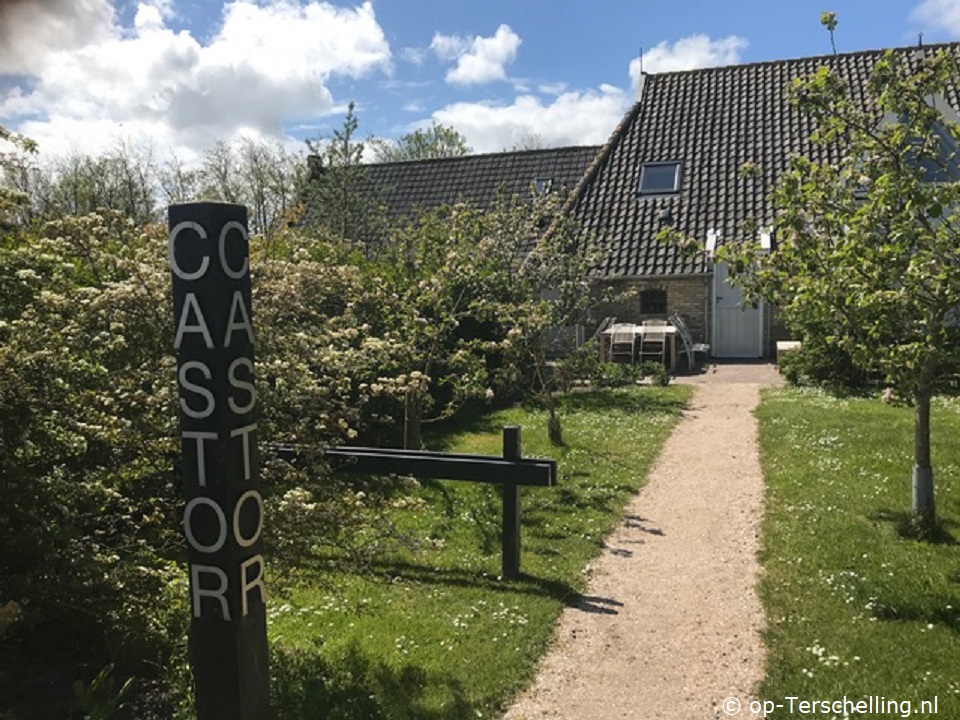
{"x": 855, "y": 605}
{"x": 438, "y": 634}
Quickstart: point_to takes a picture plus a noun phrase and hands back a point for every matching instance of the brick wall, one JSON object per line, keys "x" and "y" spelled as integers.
{"x": 687, "y": 296}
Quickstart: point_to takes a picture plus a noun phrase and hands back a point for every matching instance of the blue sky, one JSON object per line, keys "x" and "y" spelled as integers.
{"x": 181, "y": 74}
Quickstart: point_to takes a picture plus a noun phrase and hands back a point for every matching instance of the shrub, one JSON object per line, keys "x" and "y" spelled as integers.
{"x": 824, "y": 364}
{"x": 657, "y": 372}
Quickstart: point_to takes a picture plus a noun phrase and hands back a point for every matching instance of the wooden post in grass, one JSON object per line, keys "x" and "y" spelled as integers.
{"x": 223, "y": 517}
{"x": 510, "y": 557}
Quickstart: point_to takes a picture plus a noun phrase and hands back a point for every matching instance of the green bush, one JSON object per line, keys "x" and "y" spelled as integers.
{"x": 584, "y": 365}
{"x": 823, "y": 364}
{"x": 657, "y": 372}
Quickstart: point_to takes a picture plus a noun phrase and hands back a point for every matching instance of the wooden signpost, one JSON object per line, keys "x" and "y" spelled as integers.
{"x": 223, "y": 517}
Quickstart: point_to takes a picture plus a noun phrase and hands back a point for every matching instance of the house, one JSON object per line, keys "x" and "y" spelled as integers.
{"x": 675, "y": 160}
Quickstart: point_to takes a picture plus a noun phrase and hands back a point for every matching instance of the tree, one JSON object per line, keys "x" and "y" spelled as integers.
{"x": 336, "y": 195}
{"x": 529, "y": 141}
{"x": 220, "y": 173}
{"x": 866, "y": 255}
{"x": 550, "y": 291}
{"x": 15, "y": 165}
{"x": 178, "y": 182}
{"x": 437, "y": 141}
{"x": 123, "y": 178}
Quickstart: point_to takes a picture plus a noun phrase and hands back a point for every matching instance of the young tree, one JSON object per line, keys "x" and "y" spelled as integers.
{"x": 437, "y": 141}
{"x": 336, "y": 193}
{"x": 478, "y": 293}
{"x": 551, "y": 292}
{"x": 866, "y": 254}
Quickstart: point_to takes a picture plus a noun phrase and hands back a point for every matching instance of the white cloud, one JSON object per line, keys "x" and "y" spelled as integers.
{"x": 479, "y": 60}
{"x": 267, "y": 64}
{"x": 572, "y": 118}
{"x": 942, "y": 14}
{"x": 31, "y": 29}
{"x": 557, "y": 88}
{"x": 689, "y": 53}
{"x": 414, "y": 56}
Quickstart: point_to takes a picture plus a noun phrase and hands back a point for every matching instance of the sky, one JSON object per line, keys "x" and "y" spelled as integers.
{"x": 178, "y": 75}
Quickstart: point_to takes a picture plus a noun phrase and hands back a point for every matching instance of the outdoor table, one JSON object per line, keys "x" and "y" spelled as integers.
{"x": 606, "y": 340}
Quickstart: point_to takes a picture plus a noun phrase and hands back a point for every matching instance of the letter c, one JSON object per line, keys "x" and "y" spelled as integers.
{"x": 171, "y": 251}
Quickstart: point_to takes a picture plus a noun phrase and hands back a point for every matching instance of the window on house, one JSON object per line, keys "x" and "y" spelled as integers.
{"x": 659, "y": 178}
{"x": 542, "y": 185}
{"x": 653, "y": 301}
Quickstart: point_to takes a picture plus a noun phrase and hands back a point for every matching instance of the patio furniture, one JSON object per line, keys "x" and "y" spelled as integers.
{"x": 690, "y": 347}
{"x": 606, "y": 339}
{"x": 623, "y": 341}
{"x": 607, "y": 322}
{"x": 653, "y": 342}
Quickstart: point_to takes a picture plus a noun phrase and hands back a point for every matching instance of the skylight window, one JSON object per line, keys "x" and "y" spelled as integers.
{"x": 661, "y": 177}
{"x": 543, "y": 185}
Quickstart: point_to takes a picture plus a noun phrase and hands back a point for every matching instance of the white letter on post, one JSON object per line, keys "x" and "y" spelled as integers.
{"x": 221, "y": 522}
{"x": 247, "y": 585}
{"x": 200, "y": 436}
{"x": 235, "y": 274}
{"x": 236, "y": 307}
{"x": 199, "y": 592}
{"x": 241, "y": 385}
{"x": 190, "y": 301}
{"x": 171, "y": 251}
{"x": 244, "y": 432}
{"x": 242, "y": 541}
{"x": 198, "y": 389}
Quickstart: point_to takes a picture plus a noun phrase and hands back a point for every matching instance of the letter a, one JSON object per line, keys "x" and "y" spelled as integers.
{"x": 184, "y": 326}
{"x": 237, "y": 307}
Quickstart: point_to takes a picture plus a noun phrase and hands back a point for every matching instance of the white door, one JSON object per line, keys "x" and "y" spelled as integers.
{"x": 737, "y": 330}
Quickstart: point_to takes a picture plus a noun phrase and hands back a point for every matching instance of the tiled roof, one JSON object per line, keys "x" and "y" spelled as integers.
{"x": 712, "y": 121}
{"x": 406, "y": 187}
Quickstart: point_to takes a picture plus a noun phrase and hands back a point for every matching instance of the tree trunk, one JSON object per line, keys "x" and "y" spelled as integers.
{"x": 554, "y": 428}
{"x": 922, "y": 469}
{"x": 412, "y": 415}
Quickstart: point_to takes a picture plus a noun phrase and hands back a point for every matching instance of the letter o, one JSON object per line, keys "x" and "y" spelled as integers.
{"x": 171, "y": 251}
{"x": 221, "y": 519}
{"x": 235, "y": 274}
{"x": 242, "y": 541}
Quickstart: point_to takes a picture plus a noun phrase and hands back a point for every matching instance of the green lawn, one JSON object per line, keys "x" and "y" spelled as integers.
{"x": 855, "y": 607}
{"x": 438, "y": 634}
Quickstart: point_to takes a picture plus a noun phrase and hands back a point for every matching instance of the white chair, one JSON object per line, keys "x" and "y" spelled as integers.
{"x": 622, "y": 342}
{"x": 653, "y": 341}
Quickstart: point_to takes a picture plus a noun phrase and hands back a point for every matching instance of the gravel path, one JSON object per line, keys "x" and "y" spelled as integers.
{"x": 670, "y": 625}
